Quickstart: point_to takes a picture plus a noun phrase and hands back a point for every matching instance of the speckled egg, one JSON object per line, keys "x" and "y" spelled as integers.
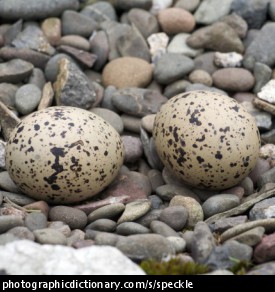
{"x": 63, "y": 154}
{"x": 207, "y": 139}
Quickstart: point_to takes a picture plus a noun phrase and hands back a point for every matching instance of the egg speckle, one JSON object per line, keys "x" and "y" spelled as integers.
{"x": 63, "y": 154}
{"x": 206, "y": 139}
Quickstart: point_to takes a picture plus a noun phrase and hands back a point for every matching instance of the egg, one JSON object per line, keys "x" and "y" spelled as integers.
{"x": 206, "y": 139}
{"x": 63, "y": 154}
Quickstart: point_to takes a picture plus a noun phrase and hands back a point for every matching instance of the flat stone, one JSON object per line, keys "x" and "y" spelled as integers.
{"x": 145, "y": 246}
{"x": 237, "y": 23}
{"x": 251, "y": 237}
{"x": 7, "y": 184}
{"x": 27, "y": 98}
{"x": 72, "y": 87}
{"x": 51, "y": 28}
{"x": 49, "y": 236}
{"x": 224, "y": 224}
{"x": 61, "y": 227}
{"x": 263, "y": 210}
{"x": 171, "y": 67}
{"x": 18, "y": 199}
{"x": 175, "y": 88}
{"x": 158, "y": 5}
{"x": 15, "y": 71}
{"x": 262, "y": 166}
{"x": 210, "y": 11}
{"x": 163, "y": 229}
{"x": 218, "y": 37}
{"x": 268, "y": 109}
{"x": 133, "y": 148}
{"x": 107, "y": 212}
{"x": 75, "y": 218}
{"x": 203, "y": 243}
{"x": 219, "y": 203}
{"x": 130, "y": 228}
{"x": 266, "y": 177}
{"x": 135, "y": 210}
{"x": 104, "y": 238}
{"x": 100, "y": 11}
{"x": 175, "y": 20}
{"x": 169, "y": 191}
{"x": 127, "y": 72}
{"x": 263, "y": 269}
{"x": 156, "y": 202}
{"x": 221, "y": 256}
{"x": 74, "y": 23}
{"x": 36, "y": 259}
{"x": 9, "y": 221}
{"x": 193, "y": 207}
{"x": 32, "y": 37}
{"x": 267, "y": 224}
{"x": 200, "y": 76}
{"x": 106, "y": 225}
{"x": 22, "y": 232}
{"x": 31, "y": 9}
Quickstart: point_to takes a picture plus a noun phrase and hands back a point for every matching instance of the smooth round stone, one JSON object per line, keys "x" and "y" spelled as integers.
{"x": 219, "y": 203}
{"x": 149, "y": 217}
{"x": 194, "y": 209}
{"x": 104, "y": 238}
{"x": 162, "y": 229}
{"x": 105, "y": 225}
{"x": 263, "y": 210}
{"x": 35, "y": 220}
{"x": 127, "y": 72}
{"x": 158, "y": 5}
{"x": 51, "y": 28}
{"x": 109, "y": 116}
{"x": 106, "y": 212}
{"x": 133, "y": 148}
{"x": 129, "y": 228}
{"x": 168, "y": 191}
{"x": 140, "y": 247}
{"x": 75, "y": 218}
{"x": 27, "y": 98}
{"x": 75, "y": 236}
{"x": 37, "y": 78}
{"x": 22, "y": 233}
{"x": 175, "y": 217}
{"x": 176, "y": 20}
{"x": 7, "y": 184}
{"x": 49, "y": 236}
{"x": 188, "y": 5}
{"x": 75, "y": 41}
{"x": 233, "y": 79}
{"x": 247, "y": 185}
{"x": 175, "y": 88}
{"x": 178, "y": 243}
{"x": 131, "y": 123}
{"x": 201, "y": 76}
{"x": 156, "y": 202}
{"x": 188, "y": 238}
{"x": 147, "y": 122}
{"x": 171, "y": 67}
{"x": 60, "y": 227}
{"x": 237, "y": 191}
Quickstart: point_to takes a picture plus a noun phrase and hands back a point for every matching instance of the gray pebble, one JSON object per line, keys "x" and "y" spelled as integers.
{"x": 155, "y": 178}
{"x": 147, "y": 122}
{"x": 130, "y": 228}
{"x": 176, "y": 88}
{"x": 149, "y": 217}
{"x": 219, "y": 204}
{"x": 262, "y": 166}
{"x": 131, "y": 123}
{"x": 133, "y": 148}
{"x": 188, "y": 237}
{"x": 22, "y": 233}
{"x": 221, "y": 256}
{"x": 163, "y": 229}
{"x": 106, "y": 212}
{"x": 247, "y": 185}
{"x": 188, "y": 5}
{"x": 74, "y": 23}
{"x": 251, "y": 237}
{"x": 111, "y": 117}
{"x": 27, "y": 98}
{"x": 220, "y": 272}
{"x": 7, "y": 93}
{"x": 156, "y": 202}
{"x": 7, "y": 238}
{"x": 75, "y": 218}
{"x": 145, "y": 246}
{"x": 100, "y": 47}
{"x": 178, "y": 243}
{"x": 91, "y": 234}
{"x": 223, "y": 224}
{"x": 35, "y": 220}
{"x": 75, "y": 236}
{"x": 263, "y": 210}
{"x": 7, "y": 184}
{"x": 104, "y": 238}
{"x": 37, "y": 78}
{"x": 203, "y": 242}
{"x": 206, "y": 62}
{"x": 170, "y": 179}
{"x": 169, "y": 191}
{"x": 9, "y": 221}
{"x": 106, "y": 225}
{"x": 175, "y": 217}
{"x": 60, "y": 227}
{"x": 50, "y": 236}
{"x": 263, "y": 269}
{"x": 19, "y": 199}
{"x": 100, "y": 11}
{"x": 262, "y": 74}
{"x": 266, "y": 177}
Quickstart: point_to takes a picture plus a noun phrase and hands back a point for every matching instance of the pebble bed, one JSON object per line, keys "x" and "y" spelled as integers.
{"x": 130, "y": 58}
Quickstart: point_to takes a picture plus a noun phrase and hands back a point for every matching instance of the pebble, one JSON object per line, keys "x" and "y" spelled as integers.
{"x": 157, "y": 43}
{"x": 39, "y": 205}
{"x": 134, "y": 210}
{"x": 163, "y": 229}
{"x": 209, "y": 11}
{"x": 158, "y": 5}
{"x": 203, "y": 243}
{"x": 175, "y": 20}
{"x": 178, "y": 243}
{"x": 35, "y": 221}
{"x": 237, "y": 23}
{"x": 75, "y": 218}
{"x": 37, "y": 78}
{"x": 271, "y": 10}
{"x": 7, "y": 184}
{"x": 127, "y": 72}
{"x": 175, "y": 217}
{"x": 7, "y": 238}
{"x": 105, "y": 225}
{"x": 9, "y": 221}
{"x": 109, "y": 212}
{"x": 75, "y": 236}
{"x": 147, "y": 122}
{"x": 60, "y": 227}
{"x": 251, "y": 237}
{"x": 175, "y": 88}
{"x": 263, "y": 269}
{"x": 133, "y": 148}
{"x": 131, "y": 123}
{"x": 219, "y": 203}
{"x": 140, "y": 247}
{"x": 188, "y": 237}
{"x": 265, "y": 250}
{"x": 263, "y": 210}
{"x": 194, "y": 209}
{"x": 188, "y": 5}
{"x": 7, "y": 93}
{"x": 171, "y": 67}
{"x": 261, "y": 167}
{"x": 100, "y": 11}
{"x": 200, "y": 76}
{"x": 156, "y": 202}
{"x": 18, "y": 199}
{"x": 205, "y": 62}
{"x": 130, "y": 228}
{"x": 21, "y": 232}
{"x": 104, "y": 238}
{"x": 223, "y": 224}
{"x": 150, "y": 216}
{"x": 51, "y": 28}
{"x": 227, "y": 60}
{"x": 27, "y": 98}
{"x": 262, "y": 74}
{"x": 49, "y": 236}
